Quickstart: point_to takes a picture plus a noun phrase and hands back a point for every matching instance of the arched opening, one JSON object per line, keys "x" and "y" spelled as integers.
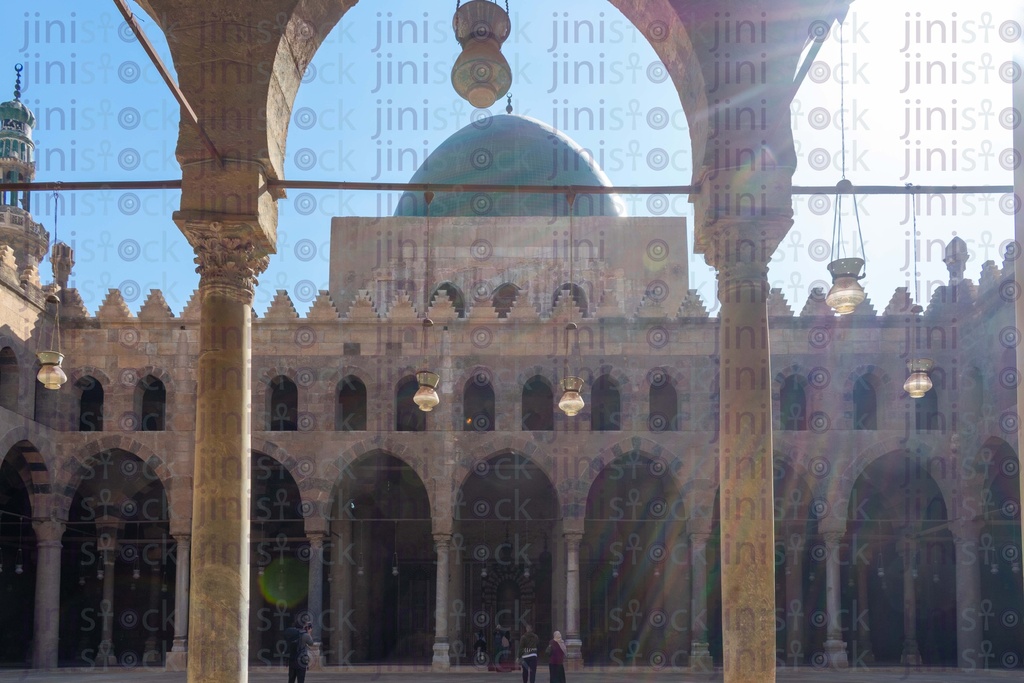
{"x": 454, "y": 295}
{"x": 605, "y": 405}
{"x": 9, "y": 380}
{"x": 18, "y": 558}
{"x": 797, "y": 580}
{"x": 350, "y": 410}
{"x": 408, "y": 417}
{"x": 152, "y": 404}
{"x": 865, "y": 404}
{"x": 579, "y": 297}
{"x": 999, "y": 553}
{"x": 90, "y": 404}
{"x": 506, "y": 512}
{"x": 634, "y": 564}
{"x": 478, "y": 404}
{"x": 117, "y": 546}
{"x": 282, "y": 405}
{"x": 793, "y": 404}
{"x": 384, "y": 570}
{"x": 538, "y": 405}
{"x": 897, "y": 523}
{"x": 663, "y": 402}
{"x": 504, "y": 298}
{"x": 279, "y": 576}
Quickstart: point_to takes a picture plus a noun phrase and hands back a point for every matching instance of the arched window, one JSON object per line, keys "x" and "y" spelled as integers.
{"x": 453, "y": 294}
{"x": 478, "y": 404}
{"x": 865, "y": 404}
{"x": 793, "y": 404}
{"x": 579, "y": 297}
{"x": 605, "y": 405}
{"x": 926, "y": 412}
{"x": 152, "y": 403}
{"x": 504, "y": 298}
{"x": 408, "y": 417}
{"x": 283, "y": 405}
{"x": 350, "y": 410}
{"x": 538, "y": 405}
{"x": 8, "y": 379}
{"x": 664, "y": 404}
{"x": 90, "y": 405}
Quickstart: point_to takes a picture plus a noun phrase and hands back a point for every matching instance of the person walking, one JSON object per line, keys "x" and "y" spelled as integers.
{"x": 556, "y": 665}
{"x": 298, "y": 638}
{"x": 528, "y": 654}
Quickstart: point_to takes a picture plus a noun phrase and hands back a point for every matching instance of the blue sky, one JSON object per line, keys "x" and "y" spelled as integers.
{"x": 924, "y": 80}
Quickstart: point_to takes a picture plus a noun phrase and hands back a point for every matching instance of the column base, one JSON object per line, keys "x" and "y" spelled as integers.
{"x": 835, "y": 650}
{"x": 441, "y": 662}
{"x": 316, "y": 659}
{"x": 177, "y": 658}
{"x": 573, "y": 654}
{"x": 700, "y": 658}
{"x": 911, "y": 655}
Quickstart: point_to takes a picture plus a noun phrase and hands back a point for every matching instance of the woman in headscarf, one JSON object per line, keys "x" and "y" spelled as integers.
{"x": 556, "y": 665}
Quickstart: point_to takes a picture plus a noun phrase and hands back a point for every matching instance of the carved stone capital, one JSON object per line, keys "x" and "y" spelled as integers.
{"x": 699, "y": 538}
{"x": 227, "y": 259}
{"x": 832, "y": 540}
{"x": 442, "y": 542}
{"x": 48, "y": 530}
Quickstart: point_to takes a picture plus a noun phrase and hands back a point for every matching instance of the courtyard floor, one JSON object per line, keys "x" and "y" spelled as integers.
{"x": 468, "y": 675}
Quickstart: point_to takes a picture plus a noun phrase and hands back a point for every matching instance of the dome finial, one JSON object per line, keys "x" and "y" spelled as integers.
{"x": 17, "y": 82}
{"x": 508, "y": 106}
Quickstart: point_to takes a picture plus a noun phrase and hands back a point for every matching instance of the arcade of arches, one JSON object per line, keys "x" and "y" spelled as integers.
{"x": 202, "y": 480}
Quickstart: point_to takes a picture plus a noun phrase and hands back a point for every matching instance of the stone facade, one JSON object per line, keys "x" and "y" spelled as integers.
{"x": 871, "y": 487}
{"x": 205, "y": 476}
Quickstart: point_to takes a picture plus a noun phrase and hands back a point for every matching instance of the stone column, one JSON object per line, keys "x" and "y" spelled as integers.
{"x": 739, "y": 249}
{"x": 46, "y": 624}
{"x": 795, "y": 599}
{"x": 862, "y": 617}
{"x": 228, "y": 264}
{"x": 700, "y": 656}
{"x": 573, "y": 644}
{"x": 152, "y": 650}
{"x": 911, "y": 655}
{"x": 968, "y": 594}
{"x": 177, "y": 658}
{"x": 441, "y": 661}
{"x": 106, "y": 656}
{"x": 343, "y": 554}
{"x": 316, "y": 598}
{"x": 835, "y": 648}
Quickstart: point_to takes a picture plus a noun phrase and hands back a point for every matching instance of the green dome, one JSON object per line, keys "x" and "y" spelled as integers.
{"x": 509, "y": 150}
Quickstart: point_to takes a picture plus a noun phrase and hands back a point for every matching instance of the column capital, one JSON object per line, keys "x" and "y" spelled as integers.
{"x": 833, "y": 539}
{"x": 316, "y": 539}
{"x": 573, "y": 539}
{"x": 967, "y": 531}
{"x": 442, "y": 540}
{"x": 48, "y": 530}
{"x": 699, "y": 539}
{"x": 228, "y": 254}
{"x": 734, "y": 246}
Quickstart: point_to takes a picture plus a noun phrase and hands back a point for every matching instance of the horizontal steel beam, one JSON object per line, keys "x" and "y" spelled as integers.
{"x": 354, "y": 186}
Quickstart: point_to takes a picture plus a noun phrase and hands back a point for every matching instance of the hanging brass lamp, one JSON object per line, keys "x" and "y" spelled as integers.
{"x": 481, "y": 73}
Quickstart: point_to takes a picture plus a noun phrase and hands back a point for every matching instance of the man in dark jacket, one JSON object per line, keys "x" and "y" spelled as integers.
{"x": 528, "y": 654}
{"x": 297, "y": 640}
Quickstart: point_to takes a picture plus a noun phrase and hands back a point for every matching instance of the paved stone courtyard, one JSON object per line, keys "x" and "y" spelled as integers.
{"x": 610, "y": 675}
